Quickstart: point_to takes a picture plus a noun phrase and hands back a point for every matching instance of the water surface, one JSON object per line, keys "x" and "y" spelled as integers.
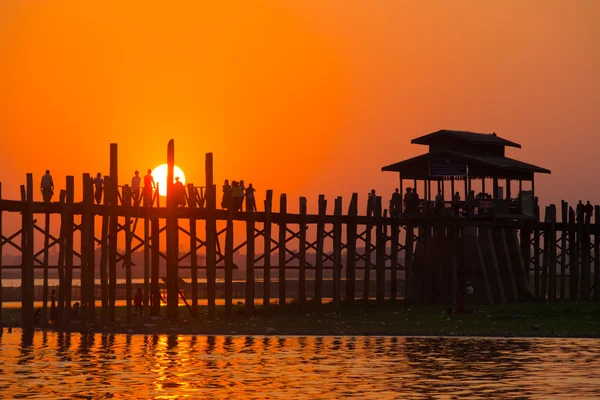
{"x": 58, "y": 365}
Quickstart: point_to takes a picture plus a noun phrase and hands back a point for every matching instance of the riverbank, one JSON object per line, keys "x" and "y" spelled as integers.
{"x": 536, "y": 319}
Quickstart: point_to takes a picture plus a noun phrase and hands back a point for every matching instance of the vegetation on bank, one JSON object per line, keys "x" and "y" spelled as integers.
{"x": 551, "y": 319}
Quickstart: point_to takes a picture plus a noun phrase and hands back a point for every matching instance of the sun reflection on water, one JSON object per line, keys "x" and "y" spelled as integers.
{"x": 51, "y": 365}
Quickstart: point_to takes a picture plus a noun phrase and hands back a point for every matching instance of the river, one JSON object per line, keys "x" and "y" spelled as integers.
{"x": 56, "y": 365}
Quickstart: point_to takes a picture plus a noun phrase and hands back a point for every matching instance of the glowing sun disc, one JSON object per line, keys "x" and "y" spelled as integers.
{"x": 160, "y": 177}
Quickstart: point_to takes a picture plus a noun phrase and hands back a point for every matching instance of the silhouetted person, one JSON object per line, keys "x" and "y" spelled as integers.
{"x": 148, "y": 188}
{"x": 135, "y": 187}
{"x": 178, "y": 193}
{"x": 439, "y": 201}
{"x": 99, "y": 185}
{"x": 456, "y": 203}
{"x": 471, "y": 201}
{"x": 396, "y": 204}
{"x": 250, "y": 198}
{"x": 53, "y": 310}
{"x": 226, "y": 200}
{"x": 408, "y": 201}
{"x": 47, "y": 187}
{"x": 588, "y": 209}
{"x": 416, "y": 201}
{"x": 580, "y": 211}
{"x": 371, "y": 203}
{"x": 236, "y": 195}
{"x": 243, "y": 191}
{"x": 138, "y": 302}
{"x": 75, "y": 311}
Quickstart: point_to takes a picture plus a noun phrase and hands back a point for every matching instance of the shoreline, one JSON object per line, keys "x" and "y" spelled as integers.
{"x": 514, "y": 320}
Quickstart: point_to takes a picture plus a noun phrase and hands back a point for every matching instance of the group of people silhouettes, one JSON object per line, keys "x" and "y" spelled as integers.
{"x": 583, "y": 213}
{"x": 234, "y": 195}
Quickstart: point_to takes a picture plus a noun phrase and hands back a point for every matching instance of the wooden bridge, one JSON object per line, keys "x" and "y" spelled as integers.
{"x": 506, "y": 258}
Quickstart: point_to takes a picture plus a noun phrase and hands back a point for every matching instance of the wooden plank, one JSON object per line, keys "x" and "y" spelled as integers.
{"x": 172, "y": 239}
{"x": 104, "y": 255}
{"x": 250, "y": 278}
{"x": 229, "y": 265}
{"x": 155, "y": 266}
{"x": 596, "y": 252}
{"x": 69, "y": 247}
{"x": 127, "y": 195}
{"x": 267, "y": 250}
{"x": 27, "y": 281}
{"x": 302, "y": 256}
{"x": 351, "y": 228}
{"x": 319, "y": 251}
{"x": 337, "y": 250}
{"x": 112, "y": 233}
{"x": 380, "y": 244}
{"x": 282, "y": 250}
{"x": 193, "y": 248}
{"x": 211, "y": 232}
{"x": 563, "y": 253}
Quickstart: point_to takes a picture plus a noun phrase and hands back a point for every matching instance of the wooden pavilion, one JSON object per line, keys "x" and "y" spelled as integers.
{"x": 468, "y": 156}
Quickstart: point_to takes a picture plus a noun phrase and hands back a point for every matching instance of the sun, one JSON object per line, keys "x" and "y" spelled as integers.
{"x": 160, "y": 177}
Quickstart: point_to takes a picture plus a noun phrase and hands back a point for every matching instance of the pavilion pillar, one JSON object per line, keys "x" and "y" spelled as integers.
{"x": 533, "y": 186}
{"x": 520, "y": 186}
{"x": 508, "y": 188}
{"x": 415, "y": 186}
{"x": 483, "y": 185}
{"x": 495, "y": 188}
{"x": 452, "y": 187}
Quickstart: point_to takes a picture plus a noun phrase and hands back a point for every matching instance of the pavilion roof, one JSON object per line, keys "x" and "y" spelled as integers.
{"x": 473, "y": 137}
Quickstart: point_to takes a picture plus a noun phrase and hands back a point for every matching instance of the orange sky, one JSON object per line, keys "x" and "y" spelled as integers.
{"x": 301, "y": 97}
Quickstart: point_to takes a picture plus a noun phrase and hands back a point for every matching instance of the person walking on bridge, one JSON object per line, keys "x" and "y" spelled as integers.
{"x": 99, "y": 185}
{"x": 135, "y": 188}
{"x": 148, "y": 188}
{"x": 47, "y": 187}
{"x": 250, "y": 198}
{"x": 588, "y": 209}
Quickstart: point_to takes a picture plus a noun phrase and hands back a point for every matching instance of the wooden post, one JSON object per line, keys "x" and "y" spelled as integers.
{"x": 155, "y": 266}
{"x": 380, "y": 244}
{"x": 147, "y": 248}
{"x": 1, "y": 255}
{"x": 267, "y": 251}
{"x": 337, "y": 250}
{"x": 408, "y": 259}
{"x": 229, "y": 264}
{"x": 367, "y": 269}
{"x": 351, "y": 227}
{"x": 394, "y": 259}
{"x": 104, "y": 252}
{"x": 250, "y": 250}
{"x": 536, "y": 260}
{"x": 27, "y": 282}
{"x": 60, "y": 309}
{"x": 302, "y": 256}
{"x": 193, "y": 247}
{"x": 69, "y": 247}
{"x": 211, "y": 236}
{"x": 113, "y": 231}
{"x": 87, "y": 249}
{"x": 45, "y": 260}
{"x": 563, "y": 245}
{"x": 573, "y": 260}
{"x": 127, "y": 195}
{"x": 172, "y": 239}
{"x": 281, "y": 249}
{"x": 319, "y": 255}
{"x": 585, "y": 260}
{"x": 552, "y": 255}
{"x": 546, "y": 253}
{"x": 596, "y": 252}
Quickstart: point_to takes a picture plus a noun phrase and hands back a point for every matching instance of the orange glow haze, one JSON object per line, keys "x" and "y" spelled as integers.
{"x": 302, "y": 97}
